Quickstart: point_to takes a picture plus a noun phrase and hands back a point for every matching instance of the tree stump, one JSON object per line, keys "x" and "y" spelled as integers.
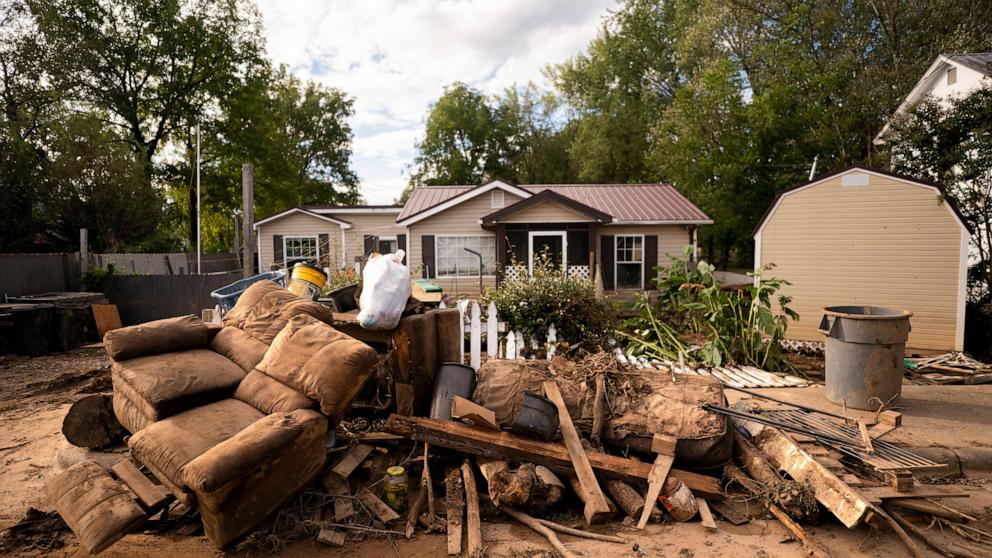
{"x": 91, "y": 423}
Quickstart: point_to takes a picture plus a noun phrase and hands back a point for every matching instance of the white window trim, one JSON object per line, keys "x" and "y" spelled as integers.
{"x": 616, "y": 262}
{"x": 437, "y": 269}
{"x": 285, "y": 256}
{"x": 530, "y": 247}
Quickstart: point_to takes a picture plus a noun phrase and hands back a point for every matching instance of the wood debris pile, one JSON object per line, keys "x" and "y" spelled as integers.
{"x": 949, "y": 368}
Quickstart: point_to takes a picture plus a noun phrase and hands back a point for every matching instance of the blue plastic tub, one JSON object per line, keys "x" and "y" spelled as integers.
{"x": 228, "y": 296}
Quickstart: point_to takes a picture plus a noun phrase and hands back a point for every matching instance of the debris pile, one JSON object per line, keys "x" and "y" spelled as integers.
{"x": 949, "y": 368}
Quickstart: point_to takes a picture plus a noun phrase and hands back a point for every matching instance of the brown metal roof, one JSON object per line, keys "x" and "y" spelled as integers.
{"x": 625, "y": 202}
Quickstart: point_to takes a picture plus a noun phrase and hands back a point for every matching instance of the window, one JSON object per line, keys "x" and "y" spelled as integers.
{"x": 300, "y": 249}
{"x": 630, "y": 262}
{"x": 386, "y": 246}
{"x": 497, "y": 199}
{"x": 952, "y": 75}
{"x": 454, "y": 261}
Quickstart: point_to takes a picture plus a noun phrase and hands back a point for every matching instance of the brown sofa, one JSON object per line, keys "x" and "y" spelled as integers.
{"x": 234, "y": 420}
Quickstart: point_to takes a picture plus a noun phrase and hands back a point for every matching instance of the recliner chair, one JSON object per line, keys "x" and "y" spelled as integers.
{"x": 236, "y": 445}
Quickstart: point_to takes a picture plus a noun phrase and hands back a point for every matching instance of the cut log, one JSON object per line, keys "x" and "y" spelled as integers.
{"x": 629, "y": 500}
{"x": 782, "y": 491}
{"x": 530, "y": 486}
{"x": 377, "y": 506}
{"x": 579, "y": 493}
{"x": 537, "y": 526}
{"x": 454, "y": 498}
{"x": 91, "y": 423}
{"x": 152, "y": 496}
{"x": 463, "y": 409}
{"x": 473, "y": 524}
{"x": 503, "y": 445}
{"x": 352, "y": 460}
{"x": 596, "y": 509}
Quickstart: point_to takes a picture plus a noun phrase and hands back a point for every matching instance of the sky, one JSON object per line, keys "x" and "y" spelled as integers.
{"x": 395, "y": 58}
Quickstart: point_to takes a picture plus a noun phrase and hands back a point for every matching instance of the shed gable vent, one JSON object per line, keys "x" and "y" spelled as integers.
{"x": 497, "y": 200}
{"x": 952, "y": 75}
{"x": 855, "y": 179}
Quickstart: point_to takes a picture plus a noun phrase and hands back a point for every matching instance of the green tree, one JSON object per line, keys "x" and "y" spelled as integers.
{"x": 951, "y": 143}
{"x": 539, "y": 136}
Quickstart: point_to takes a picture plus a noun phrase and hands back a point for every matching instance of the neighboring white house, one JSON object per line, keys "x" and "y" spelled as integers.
{"x": 950, "y": 76}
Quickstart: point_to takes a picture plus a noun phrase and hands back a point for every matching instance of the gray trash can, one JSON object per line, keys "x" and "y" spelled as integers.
{"x": 864, "y": 352}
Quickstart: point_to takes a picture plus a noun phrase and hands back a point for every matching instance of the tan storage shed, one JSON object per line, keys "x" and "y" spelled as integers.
{"x": 865, "y": 236}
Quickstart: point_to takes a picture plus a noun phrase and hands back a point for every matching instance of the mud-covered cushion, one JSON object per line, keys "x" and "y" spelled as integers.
{"x": 97, "y": 508}
{"x": 238, "y": 455}
{"x": 269, "y": 395}
{"x": 238, "y": 346}
{"x": 168, "y": 445}
{"x": 325, "y": 364}
{"x": 265, "y": 307}
{"x": 152, "y": 338}
{"x": 166, "y": 384}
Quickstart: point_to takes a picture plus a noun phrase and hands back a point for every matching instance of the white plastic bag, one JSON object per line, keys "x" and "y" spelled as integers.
{"x": 385, "y": 290}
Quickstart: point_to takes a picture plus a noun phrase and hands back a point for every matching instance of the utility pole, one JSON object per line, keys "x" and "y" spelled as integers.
{"x": 199, "y": 218}
{"x": 247, "y": 219}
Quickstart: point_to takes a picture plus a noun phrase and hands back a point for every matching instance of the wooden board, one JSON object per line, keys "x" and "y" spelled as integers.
{"x": 404, "y": 398}
{"x": 503, "y": 445}
{"x": 473, "y": 524}
{"x": 352, "y": 460}
{"x": 331, "y": 537}
{"x": 463, "y": 409}
{"x": 106, "y": 317}
{"x": 656, "y": 480}
{"x": 454, "y": 498}
{"x": 596, "y": 508}
{"x": 704, "y": 514}
{"x": 377, "y": 506}
{"x": 151, "y": 495}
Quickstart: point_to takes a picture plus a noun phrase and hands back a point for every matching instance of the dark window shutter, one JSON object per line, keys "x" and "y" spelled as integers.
{"x": 369, "y": 244}
{"x": 427, "y": 252}
{"x": 401, "y": 245}
{"x": 578, "y": 247}
{"x": 606, "y": 253}
{"x": 650, "y": 262}
{"x": 277, "y": 255}
{"x": 324, "y": 240}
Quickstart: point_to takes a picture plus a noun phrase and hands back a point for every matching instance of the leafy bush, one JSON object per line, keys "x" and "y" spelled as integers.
{"x": 695, "y": 319}
{"x": 532, "y": 302}
{"x": 99, "y": 279}
{"x": 340, "y": 278}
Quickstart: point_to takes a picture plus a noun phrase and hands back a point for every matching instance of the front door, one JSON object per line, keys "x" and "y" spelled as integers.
{"x": 552, "y": 243}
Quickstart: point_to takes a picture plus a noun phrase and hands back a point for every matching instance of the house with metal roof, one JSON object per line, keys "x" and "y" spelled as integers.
{"x": 455, "y": 234}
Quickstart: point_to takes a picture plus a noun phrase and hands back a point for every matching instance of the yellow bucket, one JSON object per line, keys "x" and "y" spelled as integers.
{"x": 306, "y": 281}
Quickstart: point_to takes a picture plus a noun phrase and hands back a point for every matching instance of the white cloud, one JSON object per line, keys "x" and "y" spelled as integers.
{"x": 395, "y": 58}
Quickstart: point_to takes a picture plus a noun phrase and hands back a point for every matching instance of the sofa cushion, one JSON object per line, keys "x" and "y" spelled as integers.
{"x": 325, "y": 364}
{"x": 152, "y": 338}
{"x": 166, "y": 384}
{"x": 265, "y": 307}
{"x": 238, "y": 346}
{"x": 269, "y": 395}
{"x": 168, "y": 445}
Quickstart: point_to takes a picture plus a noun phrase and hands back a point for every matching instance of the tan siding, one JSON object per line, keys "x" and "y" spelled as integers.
{"x": 297, "y": 224}
{"x": 545, "y": 212}
{"x": 376, "y": 224}
{"x": 891, "y": 243}
{"x": 672, "y": 239}
{"x": 463, "y": 219}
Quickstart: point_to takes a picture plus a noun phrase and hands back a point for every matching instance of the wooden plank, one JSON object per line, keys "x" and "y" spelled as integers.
{"x": 503, "y": 445}
{"x": 704, "y": 514}
{"x": 352, "y": 460}
{"x": 377, "y": 506}
{"x": 338, "y": 487}
{"x": 331, "y": 537}
{"x": 106, "y": 317}
{"x": 596, "y": 508}
{"x": 151, "y": 495}
{"x": 478, "y": 415}
{"x": 454, "y": 499}
{"x": 473, "y": 524}
{"x": 656, "y": 480}
{"x": 865, "y": 437}
{"x": 404, "y": 398}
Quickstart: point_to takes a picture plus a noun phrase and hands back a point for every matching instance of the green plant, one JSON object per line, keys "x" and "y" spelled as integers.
{"x": 340, "y": 278}
{"x": 696, "y": 320}
{"x": 531, "y": 302}
{"x": 99, "y": 279}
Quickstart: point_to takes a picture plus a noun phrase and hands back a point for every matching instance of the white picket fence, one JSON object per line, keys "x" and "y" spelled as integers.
{"x": 510, "y": 345}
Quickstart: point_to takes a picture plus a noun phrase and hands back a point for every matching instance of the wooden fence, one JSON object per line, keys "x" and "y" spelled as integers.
{"x": 500, "y": 343}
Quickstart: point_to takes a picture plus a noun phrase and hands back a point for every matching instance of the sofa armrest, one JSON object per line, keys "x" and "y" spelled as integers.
{"x": 237, "y": 456}
{"x": 157, "y": 337}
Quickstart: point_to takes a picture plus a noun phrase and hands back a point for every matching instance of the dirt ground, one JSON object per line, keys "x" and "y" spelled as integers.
{"x": 36, "y": 392}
